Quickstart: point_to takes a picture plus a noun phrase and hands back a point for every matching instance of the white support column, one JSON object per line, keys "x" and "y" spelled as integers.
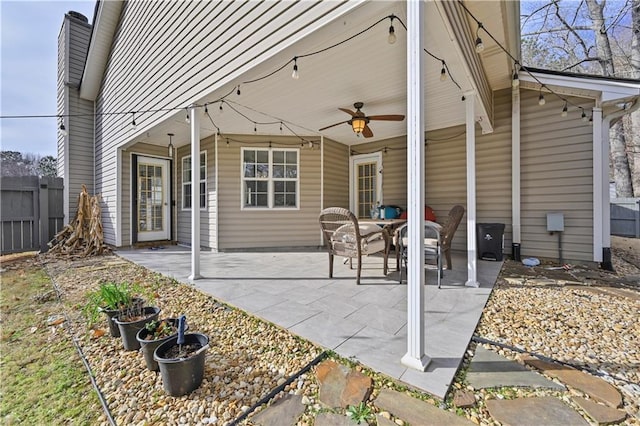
{"x": 195, "y": 193}
{"x": 601, "y": 216}
{"x": 415, "y": 357}
{"x": 216, "y": 211}
{"x": 472, "y": 257}
{"x": 515, "y": 166}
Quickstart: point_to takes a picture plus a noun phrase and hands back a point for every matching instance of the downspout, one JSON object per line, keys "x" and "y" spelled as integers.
{"x": 605, "y": 200}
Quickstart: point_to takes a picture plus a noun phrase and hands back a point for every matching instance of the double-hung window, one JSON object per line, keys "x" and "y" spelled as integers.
{"x": 270, "y": 178}
{"x": 186, "y": 181}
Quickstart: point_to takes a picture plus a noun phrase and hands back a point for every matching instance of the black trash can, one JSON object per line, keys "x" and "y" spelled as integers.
{"x": 490, "y": 239}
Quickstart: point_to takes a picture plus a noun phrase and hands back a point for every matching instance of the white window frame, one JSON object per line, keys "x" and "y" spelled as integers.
{"x": 186, "y": 184}
{"x": 270, "y": 179}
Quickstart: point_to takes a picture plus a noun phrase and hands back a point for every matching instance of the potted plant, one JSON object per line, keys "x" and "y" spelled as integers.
{"x": 153, "y": 334}
{"x": 131, "y": 320}
{"x": 111, "y": 299}
{"x": 181, "y": 360}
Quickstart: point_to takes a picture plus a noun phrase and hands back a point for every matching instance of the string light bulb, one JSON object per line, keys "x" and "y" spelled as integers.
{"x": 541, "y": 100}
{"x": 295, "y": 74}
{"x": 220, "y": 107}
{"x": 238, "y": 91}
{"x": 564, "y": 110}
{"x": 63, "y": 130}
{"x": 479, "y": 43}
{"x": 134, "y": 126}
{"x": 584, "y": 116}
{"x": 170, "y": 147}
{"x": 443, "y": 73}
{"x": 515, "y": 81}
{"x": 392, "y": 32}
{"x": 187, "y": 119}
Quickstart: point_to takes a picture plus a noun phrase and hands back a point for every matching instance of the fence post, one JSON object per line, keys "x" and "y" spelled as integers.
{"x": 44, "y": 214}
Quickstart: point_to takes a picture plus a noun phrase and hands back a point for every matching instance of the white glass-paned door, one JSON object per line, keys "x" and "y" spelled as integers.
{"x": 153, "y": 199}
{"x": 366, "y": 183}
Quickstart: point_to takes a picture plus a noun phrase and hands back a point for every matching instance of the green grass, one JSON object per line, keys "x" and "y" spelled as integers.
{"x": 42, "y": 379}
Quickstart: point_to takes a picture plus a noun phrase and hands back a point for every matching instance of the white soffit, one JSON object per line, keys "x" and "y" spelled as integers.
{"x": 104, "y": 27}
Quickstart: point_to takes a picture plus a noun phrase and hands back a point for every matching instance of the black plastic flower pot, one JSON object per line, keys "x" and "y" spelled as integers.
{"x": 111, "y": 314}
{"x": 129, "y": 329}
{"x": 149, "y": 346}
{"x": 181, "y": 376}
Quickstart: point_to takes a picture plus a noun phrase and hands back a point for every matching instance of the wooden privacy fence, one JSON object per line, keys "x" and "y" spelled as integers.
{"x": 31, "y": 212}
{"x": 625, "y": 217}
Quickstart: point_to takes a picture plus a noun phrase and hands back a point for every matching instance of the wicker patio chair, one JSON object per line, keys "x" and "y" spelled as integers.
{"x": 344, "y": 236}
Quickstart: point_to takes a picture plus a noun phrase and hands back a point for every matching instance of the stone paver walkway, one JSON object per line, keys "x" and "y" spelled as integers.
{"x": 342, "y": 387}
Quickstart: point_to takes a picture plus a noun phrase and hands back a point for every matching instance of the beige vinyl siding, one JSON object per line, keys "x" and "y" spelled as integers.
{"x": 336, "y": 175}
{"x": 75, "y": 152}
{"x": 208, "y": 219}
{"x": 267, "y": 227}
{"x": 394, "y": 168}
{"x": 557, "y": 176}
{"x": 170, "y": 53}
{"x": 446, "y": 176}
{"x": 493, "y": 169}
{"x": 446, "y": 172}
{"x": 126, "y": 189}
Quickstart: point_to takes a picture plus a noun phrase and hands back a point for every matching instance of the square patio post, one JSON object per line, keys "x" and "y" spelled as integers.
{"x": 195, "y": 192}
{"x": 415, "y": 357}
{"x": 472, "y": 257}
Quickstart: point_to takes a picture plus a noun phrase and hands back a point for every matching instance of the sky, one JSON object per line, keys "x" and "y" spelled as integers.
{"x": 28, "y": 67}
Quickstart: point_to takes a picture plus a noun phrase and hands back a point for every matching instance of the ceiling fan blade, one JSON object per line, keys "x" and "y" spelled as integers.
{"x": 366, "y": 132}
{"x": 348, "y": 111}
{"x": 333, "y": 125}
{"x": 388, "y": 117}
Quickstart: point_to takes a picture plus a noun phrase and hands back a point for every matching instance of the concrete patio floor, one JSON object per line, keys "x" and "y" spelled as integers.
{"x": 366, "y": 322}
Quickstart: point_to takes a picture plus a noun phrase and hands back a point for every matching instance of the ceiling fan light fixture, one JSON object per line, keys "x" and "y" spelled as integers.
{"x": 358, "y": 124}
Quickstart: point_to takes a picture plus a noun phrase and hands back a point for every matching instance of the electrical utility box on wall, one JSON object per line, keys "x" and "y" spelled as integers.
{"x": 555, "y": 222}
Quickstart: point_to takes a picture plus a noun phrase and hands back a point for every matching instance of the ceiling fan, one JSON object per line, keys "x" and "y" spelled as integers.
{"x": 360, "y": 122}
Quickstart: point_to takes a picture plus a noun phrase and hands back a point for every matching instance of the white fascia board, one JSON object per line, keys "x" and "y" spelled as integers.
{"x": 104, "y": 27}
{"x": 606, "y": 91}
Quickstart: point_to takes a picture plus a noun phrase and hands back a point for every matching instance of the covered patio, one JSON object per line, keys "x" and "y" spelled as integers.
{"x": 366, "y": 322}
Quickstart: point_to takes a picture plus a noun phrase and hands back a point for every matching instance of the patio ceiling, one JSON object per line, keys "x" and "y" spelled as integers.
{"x": 366, "y": 69}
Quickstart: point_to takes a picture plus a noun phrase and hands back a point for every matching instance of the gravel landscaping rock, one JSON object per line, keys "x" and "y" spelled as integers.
{"x": 579, "y": 315}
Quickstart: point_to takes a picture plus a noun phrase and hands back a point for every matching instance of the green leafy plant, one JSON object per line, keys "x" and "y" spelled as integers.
{"x": 159, "y": 329}
{"x": 360, "y": 413}
{"x": 110, "y": 296}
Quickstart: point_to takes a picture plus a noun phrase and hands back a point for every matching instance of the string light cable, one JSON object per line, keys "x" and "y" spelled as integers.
{"x": 517, "y": 65}
{"x": 236, "y": 89}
